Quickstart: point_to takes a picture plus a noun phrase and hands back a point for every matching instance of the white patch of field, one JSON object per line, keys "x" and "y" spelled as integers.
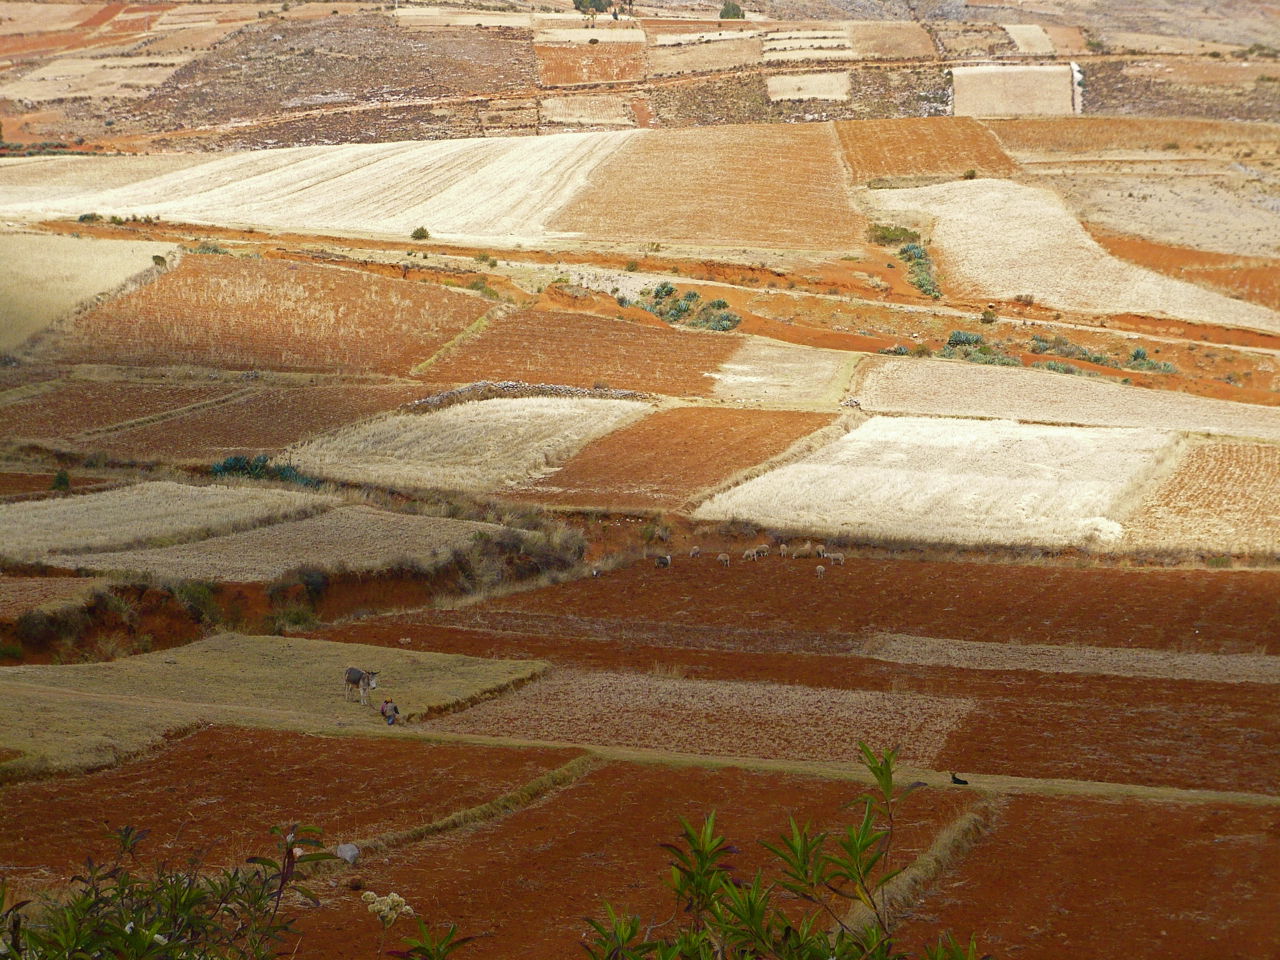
{"x": 807, "y": 53}
{"x": 1011, "y": 91}
{"x": 1030, "y": 38}
{"x": 352, "y": 538}
{"x": 1001, "y": 239}
{"x": 500, "y": 187}
{"x": 484, "y": 445}
{"x": 25, "y": 179}
{"x": 685, "y": 39}
{"x": 1120, "y": 40}
{"x": 774, "y": 372}
{"x": 209, "y": 15}
{"x": 160, "y": 510}
{"x": 968, "y": 482}
{"x": 587, "y": 111}
{"x": 737, "y": 51}
{"x": 75, "y": 717}
{"x": 439, "y": 17}
{"x": 1064, "y": 658}
{"x": 830, "y": 44}
{"x": 890, "y": 39}
{"x": 45, "y": 277}
{"x": 586, "y": 36}
{"x": 808, "y": 86}
{"x": 102, "y": 77}
{"x": 956, "y": 389}
{"x": 17, "y": 17}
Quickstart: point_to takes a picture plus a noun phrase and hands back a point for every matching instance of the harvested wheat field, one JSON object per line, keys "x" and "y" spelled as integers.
{"x": 1094, "y": 873}
{"x": 1030, "y": 38}
{"x": 481, "y": 445}
{"x": 1010, "y": 91}
{"x": 808, "y": 86}
{"x": 18, "y": 595}
{"x": 74, "y": 407}
{"x": 787, "y": 190}
{"x": 74, "y": 718}
{"x": 264, "y": 421}
{"x": 113, "y": 77}
{"x": 714, "y": 52}
{"x": 39, "y": 178}
{"x": 20, "y": 18}
{"x": 890, "y": 40}
{"x": 773, "y": 721}
{"x": 145, "y": 512}
{"x": 597, "y": 840}
{"x": 1091, "y": 136}
{"x": 778, "y": 373}
{"x": 581, "y": 350}
{"x": 980, "y": 482}
{"x": 220, "y": 311}
{"x": 700, "y": 447}
{"x": 1223, "y": 497}
{"x": 501, "y": 187}
{"x": 887, "y": 385}
{"x": 1042, "y": 249}
{"x": 604, "y": 111}
{"x": 572, "y": 64}
{"x": 925, "y": 146}
{"x": 354, "y": 538}
{"x": 46, "y": 277}
{"x": 228, "y": 804}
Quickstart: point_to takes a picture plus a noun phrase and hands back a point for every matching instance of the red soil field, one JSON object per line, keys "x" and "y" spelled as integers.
{"x": 222, "y": 311}
{"x": 562, "y": 65}
{"x": 1256, "y": 279}
{"x": 1091, "y": 134}
{"x": 1026, "y": 723}
{"x": 221, "y": 789}
{"x": 785, "y": 188}
{"x": 1209, "y": 611}
{"x": 700, "y": 447}
{"x": 1096, "y": 878}
{"x": 523, "y": 883}
{"x": 17, "y": 484}
{"x": 583, "y": 351}
{"x": 262, "y": 422}
{"x": 76, "y": 406}
{"x": 918, "y": 146}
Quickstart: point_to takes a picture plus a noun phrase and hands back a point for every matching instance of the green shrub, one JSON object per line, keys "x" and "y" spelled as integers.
{"x": 663, "y": 290}
{"x": 963, "y": 338}
{"x": 632, "y": 266}
{"x": 888, "y": 235}
{"x": 896, "y": 351}
{"x": 420, "y": 233}
{"x": 970, "y": 174}
{"x": 1058, "y": 367}
{"x": 988, "y": 316}
{"x": 62, "y": 482}
{"x": 731, "y": 11}
{"x": 89, "y": 218}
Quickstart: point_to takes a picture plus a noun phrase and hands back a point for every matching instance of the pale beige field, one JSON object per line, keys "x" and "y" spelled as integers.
{"x": 102, "y": 77}
{"x": 735, "y": 50}
{"x": 354, "y": 538}
{"x": 958, "y": 389}
{"x": 784, "y": 374}
{"x": 39, "y": 178}
{"x": 19, "y": 17}
{"x": 890, "y": 39}
{"x": 1030, "y": 38}
{"x": 67, "y": 718}
{"x": 144, "y": 512}
{"x": 808, "y": 86}
{"x": 587, "y": 111}
{"x": 716, "y": 717}
{"x": 1222, "y": 498}
{"x": 1010, "y": 91}
{"x": 580, "y": 35}
{"x": 975, "y": 482}
{"x": 475, "y": 446}
{"x": 46, "y": 277}
{"x": 996, "y": 238}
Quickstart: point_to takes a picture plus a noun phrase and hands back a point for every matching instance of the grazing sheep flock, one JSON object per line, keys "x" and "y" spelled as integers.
{"x": 762, "y": 550}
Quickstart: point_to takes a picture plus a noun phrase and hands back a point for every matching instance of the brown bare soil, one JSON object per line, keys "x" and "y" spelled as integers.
{"x": 1256, "y": 279}
{"x": 18, "y": 485}
{"x": 666, "y": 458}
{"x": 582, "y": 351}
{"x": 1166, "y": 881}
{"x": 1089, "y": 135}
{"x": 563, "y": 65}
{"x": 263, "y": 422}
{"x": 226, "y": 312}
{"x": 786, "y": 188}
{"x": 220, "y": 790}
{"x": 525, "y": 881}
{"x": 77, "y": 406}
{"x": 20, "y": 594}
{"x": 921, "y": 146}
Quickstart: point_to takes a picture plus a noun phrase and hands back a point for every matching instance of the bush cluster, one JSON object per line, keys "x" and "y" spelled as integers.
{"x": 686, "y": 308}
{"x": 888, "y": 235}
{"x": 921, "y": 273}
{"x": 1139, "y": 360}
{"x": 1062, "y": 347}
{"x": 261, "y": 468}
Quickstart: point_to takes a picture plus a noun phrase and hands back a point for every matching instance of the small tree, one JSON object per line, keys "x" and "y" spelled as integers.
{"x": 420, "y": 233}
{"x": 731, "y": 11}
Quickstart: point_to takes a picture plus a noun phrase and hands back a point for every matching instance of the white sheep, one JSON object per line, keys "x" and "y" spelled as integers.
{"x": 762, "y": 551}
{"x": 822, "y": 571}
{"x": 724, "y": 559}
{"x": 836, "y": 558}
{"x": 782, "y": 550}
{"x": 821, "y": 550}
{"x": 694, "y": 552}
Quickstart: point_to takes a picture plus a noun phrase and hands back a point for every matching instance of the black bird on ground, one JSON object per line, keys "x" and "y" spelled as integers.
{"x": 955, "y": 779}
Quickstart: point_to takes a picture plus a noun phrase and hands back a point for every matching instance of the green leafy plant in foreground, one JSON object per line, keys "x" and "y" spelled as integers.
{"x": 840, "y": 880}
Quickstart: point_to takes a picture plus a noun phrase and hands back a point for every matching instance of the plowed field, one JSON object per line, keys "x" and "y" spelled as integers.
{"x": 263, "y": 422}
{"x": 1088, "y": 874}
{"x": 1089, "y": 135}
{"x": 525, "y": 881}
{"x": 77, "y": 406}
{"x": 570, "y": 64}
{"x": 773, "y": 186}
{"x": 20, "y": 594}
{"x": 889, "y": 39}
{"x": 718, "y": 54}
{"x": 221, "y": 311}
{"x": 668, "y": 457}
{"x": 1223, "y": 497}
{"x": 221, "y": 789}
{"x": 1005, "y": 91}
{"x": 916, "y": 146}
{"x": 580, "y": 350}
